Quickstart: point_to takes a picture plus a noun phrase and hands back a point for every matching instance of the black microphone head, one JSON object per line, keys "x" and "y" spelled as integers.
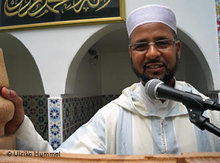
{"x": 151, "y": 88}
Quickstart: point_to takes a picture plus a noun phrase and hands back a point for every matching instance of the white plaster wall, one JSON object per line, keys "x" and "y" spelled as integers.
{"x": 54, "y": 48}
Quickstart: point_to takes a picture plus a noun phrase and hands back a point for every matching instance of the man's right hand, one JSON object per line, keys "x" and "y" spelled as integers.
{"x": 12, "y": 126}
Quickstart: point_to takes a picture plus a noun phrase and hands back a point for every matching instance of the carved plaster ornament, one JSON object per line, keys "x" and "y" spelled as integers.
{"x": 6, "y": 109}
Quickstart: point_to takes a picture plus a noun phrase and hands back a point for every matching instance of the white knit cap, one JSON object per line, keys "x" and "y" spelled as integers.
{"x": 149, "y": 14}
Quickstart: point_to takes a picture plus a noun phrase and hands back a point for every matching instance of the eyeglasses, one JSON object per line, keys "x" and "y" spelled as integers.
{"x": 160, "y": 45}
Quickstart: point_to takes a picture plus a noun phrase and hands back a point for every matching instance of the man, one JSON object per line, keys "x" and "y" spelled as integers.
{"x": 133, "y": 123}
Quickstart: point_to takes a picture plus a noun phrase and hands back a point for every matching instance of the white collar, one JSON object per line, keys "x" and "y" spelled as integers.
{"x": 154, "y": 107}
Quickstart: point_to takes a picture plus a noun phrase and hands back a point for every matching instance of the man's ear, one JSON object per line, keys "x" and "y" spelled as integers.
{"x": 178, "y": 48}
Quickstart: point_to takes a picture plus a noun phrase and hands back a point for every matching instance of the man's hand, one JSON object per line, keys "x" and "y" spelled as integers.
{"x": 12, "y": 126}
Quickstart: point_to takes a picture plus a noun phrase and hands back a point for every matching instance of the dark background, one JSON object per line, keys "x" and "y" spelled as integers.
{"x": 111, "y": 10}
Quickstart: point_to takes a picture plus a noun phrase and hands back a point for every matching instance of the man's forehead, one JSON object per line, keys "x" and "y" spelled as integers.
{"x": 155, "y": 30}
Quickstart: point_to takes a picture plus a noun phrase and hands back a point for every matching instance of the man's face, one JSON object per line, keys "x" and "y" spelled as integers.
{"x": 156, "y": 62}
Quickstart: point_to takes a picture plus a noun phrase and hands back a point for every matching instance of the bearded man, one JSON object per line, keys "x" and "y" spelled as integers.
{"x": 133, "y": 123}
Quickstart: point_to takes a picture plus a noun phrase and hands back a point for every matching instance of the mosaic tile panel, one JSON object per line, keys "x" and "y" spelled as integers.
{"x": 68, "y": 114}
{"x": 35, "y": 108}
{"x": 55, "y": 126}
{"x": 77, "y": 111}
{"x": 217, "y": 2}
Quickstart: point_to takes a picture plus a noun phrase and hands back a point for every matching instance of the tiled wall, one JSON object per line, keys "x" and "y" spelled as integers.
{"x": 55, "y": 118}
{"x": 217, "y": 2}
{"x": 35, "y": 108}
{"x": 68, "y": 114}
{"x": 77, "y": 111}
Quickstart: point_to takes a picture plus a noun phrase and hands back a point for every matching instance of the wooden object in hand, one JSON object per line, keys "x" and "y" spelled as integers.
{"x": 6, "y": 109}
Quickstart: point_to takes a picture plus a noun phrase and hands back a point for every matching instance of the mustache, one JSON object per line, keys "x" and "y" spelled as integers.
{"x": 154, "y": 61}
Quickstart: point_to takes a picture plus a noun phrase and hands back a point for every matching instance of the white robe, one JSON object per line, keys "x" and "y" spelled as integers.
{"x": 133, "y": 124}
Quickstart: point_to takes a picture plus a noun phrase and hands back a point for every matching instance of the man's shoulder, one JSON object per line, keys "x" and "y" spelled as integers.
{"x": 182, "y": 85}
{"x": 110, "y": 108}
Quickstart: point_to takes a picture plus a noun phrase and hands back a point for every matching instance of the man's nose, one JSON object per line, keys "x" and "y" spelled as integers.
{"x": 152, "y": 52}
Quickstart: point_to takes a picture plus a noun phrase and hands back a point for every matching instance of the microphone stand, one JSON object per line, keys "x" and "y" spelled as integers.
{"x": 196, "y": 117}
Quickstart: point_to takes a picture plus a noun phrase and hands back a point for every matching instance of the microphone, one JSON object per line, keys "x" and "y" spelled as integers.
{"x": 156, "y": 89}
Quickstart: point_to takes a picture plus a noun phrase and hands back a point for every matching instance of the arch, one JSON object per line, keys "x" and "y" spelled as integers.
{"x": 197, "y": 70}
{"x": 83, "y": 52}
{"x": 23, "y": 73}
{"x": 193, "y": 66}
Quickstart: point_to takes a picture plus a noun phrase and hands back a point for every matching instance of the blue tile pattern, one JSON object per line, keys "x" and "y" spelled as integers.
{"x": 66, "y": 115}
{"x": 55, "y": 121}
{"x": 35, "y": 108}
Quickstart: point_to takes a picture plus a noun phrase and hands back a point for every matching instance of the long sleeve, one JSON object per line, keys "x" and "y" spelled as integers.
{"x": 27, "y": 138}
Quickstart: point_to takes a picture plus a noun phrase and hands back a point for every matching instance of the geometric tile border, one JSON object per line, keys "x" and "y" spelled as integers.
{"x": 66, "y": 115}
{"x": 55, "y": 122}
